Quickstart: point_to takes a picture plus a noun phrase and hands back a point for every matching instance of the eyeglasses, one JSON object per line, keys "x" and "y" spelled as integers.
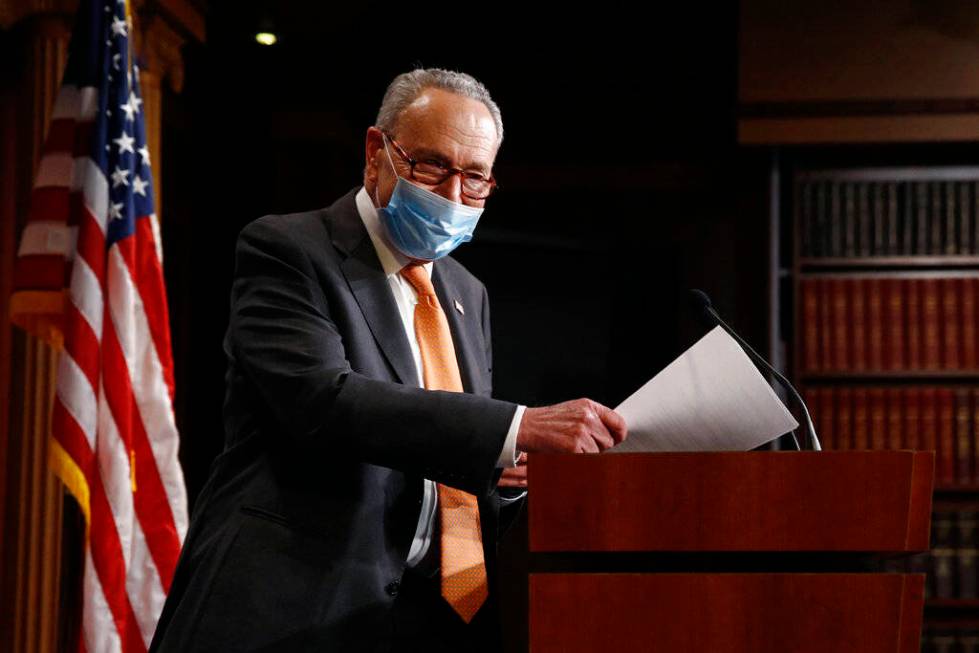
{"x": 474, "y": 185}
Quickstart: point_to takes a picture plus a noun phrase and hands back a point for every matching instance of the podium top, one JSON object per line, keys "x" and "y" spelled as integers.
{"x": 833, "y": 501}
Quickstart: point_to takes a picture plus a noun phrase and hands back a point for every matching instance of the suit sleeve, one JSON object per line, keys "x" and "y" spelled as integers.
{"x": 281, "y": 336}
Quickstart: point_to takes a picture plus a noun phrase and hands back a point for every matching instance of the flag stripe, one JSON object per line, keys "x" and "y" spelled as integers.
{"x": 49, "y": 205}
{"x": 146, "y": 271}
{"x": 107, "y": 555}
{"x": 151, "y": 506}
{"x": 40, "y": 272}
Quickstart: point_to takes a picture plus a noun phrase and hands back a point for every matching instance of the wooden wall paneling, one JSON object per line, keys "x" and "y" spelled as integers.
{"x": 32, "y": 527}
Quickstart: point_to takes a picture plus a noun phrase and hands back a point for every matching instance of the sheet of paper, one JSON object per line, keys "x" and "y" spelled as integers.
{"x": 711, "y": 398}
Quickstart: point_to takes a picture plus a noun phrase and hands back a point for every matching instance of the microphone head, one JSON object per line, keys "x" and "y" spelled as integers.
{"x": 701, "y": 305}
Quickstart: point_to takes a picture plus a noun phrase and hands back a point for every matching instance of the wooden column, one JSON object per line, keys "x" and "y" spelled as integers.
{"x": 33, "y": 498}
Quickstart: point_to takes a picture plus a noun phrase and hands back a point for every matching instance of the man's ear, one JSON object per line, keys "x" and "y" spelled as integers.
{"x": 373, "y": 143}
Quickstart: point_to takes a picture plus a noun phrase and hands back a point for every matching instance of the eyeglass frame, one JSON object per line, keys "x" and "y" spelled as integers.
{"x": 449, "y": 171}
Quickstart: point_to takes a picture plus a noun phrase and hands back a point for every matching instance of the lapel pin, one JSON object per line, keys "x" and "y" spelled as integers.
{"x": 459, "y": 308}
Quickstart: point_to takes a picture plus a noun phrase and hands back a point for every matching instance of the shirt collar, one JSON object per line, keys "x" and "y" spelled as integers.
{"x": 392, "y": 261}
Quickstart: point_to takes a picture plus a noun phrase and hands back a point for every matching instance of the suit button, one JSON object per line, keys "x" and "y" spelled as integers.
{"x": 393, "y": 587}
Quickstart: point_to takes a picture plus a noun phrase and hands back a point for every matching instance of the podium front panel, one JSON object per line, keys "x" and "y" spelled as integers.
{"x": 726, "y": 613}
{"x": 846, "y": 501}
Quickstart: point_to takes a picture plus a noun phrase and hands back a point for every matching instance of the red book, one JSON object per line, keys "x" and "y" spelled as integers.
{"x": 945, "y": 457}
{"x": 951, "y": 358}
{"x": 974, "y": 412}
{"x": 930, "y": 333}
{"x": 809, "y": 289}
{"x": 929, "y": 420}
{"x": 878, "y": 419}
{"x": 895, "y": 418}
{"x": 844, "y": 418}
{"x": 912, "y": 292}
{"x": 912, "y": 412}
{"x": 861, "y": 423}
{"x": 963, "y": 437}
{"x": 894, "y": 358}
{"x": 858, "y": 326}
{"x": 968, "y": 329}
{"x": 825, "y": 325}
{"x": 841, "y": 325}
{"x": 875, "y": 324}
{"x": 824, "y": 418}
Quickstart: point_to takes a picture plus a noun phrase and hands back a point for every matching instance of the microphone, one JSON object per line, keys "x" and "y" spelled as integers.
{"x": 702, "y": 305}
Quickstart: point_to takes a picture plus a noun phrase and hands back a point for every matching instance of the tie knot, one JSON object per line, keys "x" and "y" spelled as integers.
{"x": 414, "y": 273}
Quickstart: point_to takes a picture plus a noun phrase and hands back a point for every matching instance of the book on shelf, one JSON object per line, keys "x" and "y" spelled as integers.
{"x": 874, "y": 323}
{"x": 887, "y": 217}
{"x": 926, "y": 418}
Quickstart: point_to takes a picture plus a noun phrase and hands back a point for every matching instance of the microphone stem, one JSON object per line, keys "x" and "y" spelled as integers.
{"x": 813, "y": 441}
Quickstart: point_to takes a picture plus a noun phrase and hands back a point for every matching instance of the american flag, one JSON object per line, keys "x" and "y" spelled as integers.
{"x": 89, "y": 275}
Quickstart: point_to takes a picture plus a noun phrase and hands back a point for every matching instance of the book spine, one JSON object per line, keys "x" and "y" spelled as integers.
{"x": 878, "y": 419}
{"x": 893, "y": 245}
{"x": 912, "y": 293}
{"x": 966, "y": 563}
{"x": 963, "y": 438}
{"x": 921, "y": 218}
{"x": 951, "y": 228}
{"x": 809, "y": 289}
{"x": 943, "y": 551}
{"x": 894, "y": 326}
{"x": 929, "y": 420}
{"x": 880, "y": 244}
{"x": 858, "y": 325}
{"x": 931, "y": 336}
{"x": 895, "y": 418}
{"x": 826, "y": 325}
{"x": 835, "y": 221}
{"x": 875, "y": 323}
{"x": 844, "y": 418}
{"x": 912, "y": 425}
{"x": 849, "y": 220}
{"x": 861, "y": 423}
{"x": 864, "y": 243}
{"x": 974, "y": 417}
{"x": 824, "y": 418}
{"x": 820, "y": 241}
{"x": 967, "y": 329}
{"x": 945, "y": 458}
{"x": 950, "y": 324}
{"x": 935, "y": 219}
{"x": 975, "y": 217}
{"x": 906, "y": 211}
{"x": 965, "y": 220}
{"x": 841, "y": 324}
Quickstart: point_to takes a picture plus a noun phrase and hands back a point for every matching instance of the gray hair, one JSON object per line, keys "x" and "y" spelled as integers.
{"x": 406, "y": 87}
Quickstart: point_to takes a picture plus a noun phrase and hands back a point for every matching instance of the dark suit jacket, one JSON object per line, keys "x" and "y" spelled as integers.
{"x": 299, "y": 539}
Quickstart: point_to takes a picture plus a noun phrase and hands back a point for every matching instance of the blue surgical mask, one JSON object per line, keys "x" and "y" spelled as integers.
{"x": 424, "y": 225}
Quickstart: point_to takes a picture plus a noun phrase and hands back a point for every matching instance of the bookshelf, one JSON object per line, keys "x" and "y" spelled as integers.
{"x": 885, "y": 283}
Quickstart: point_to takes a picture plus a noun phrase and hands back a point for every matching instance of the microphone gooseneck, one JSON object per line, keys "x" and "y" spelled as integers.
{"x": 702, "y": 304}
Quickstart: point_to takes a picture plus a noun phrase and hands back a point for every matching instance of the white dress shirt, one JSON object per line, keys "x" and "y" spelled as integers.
{"x": 392, "y": 261}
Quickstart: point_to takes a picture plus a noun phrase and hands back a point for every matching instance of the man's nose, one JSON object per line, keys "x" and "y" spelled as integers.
{"x": 451, "y": 188}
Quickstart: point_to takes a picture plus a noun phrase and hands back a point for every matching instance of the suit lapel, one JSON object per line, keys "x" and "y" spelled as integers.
{"x": 370, "y": 287}
{"x": 466, "y": 334}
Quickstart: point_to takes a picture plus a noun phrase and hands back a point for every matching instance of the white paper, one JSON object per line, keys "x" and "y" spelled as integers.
{"x": 711, "y": 398}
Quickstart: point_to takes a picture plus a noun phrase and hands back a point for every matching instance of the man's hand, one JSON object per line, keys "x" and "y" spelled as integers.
{"x": 579, "y": 426}
{"x": 515, "y": 476}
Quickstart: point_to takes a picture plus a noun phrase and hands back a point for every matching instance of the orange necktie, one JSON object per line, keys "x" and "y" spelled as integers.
{"x": 462, "y": 566}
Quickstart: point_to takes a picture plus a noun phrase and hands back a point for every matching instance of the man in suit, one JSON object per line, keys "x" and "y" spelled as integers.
{"x": 367, "y": 473}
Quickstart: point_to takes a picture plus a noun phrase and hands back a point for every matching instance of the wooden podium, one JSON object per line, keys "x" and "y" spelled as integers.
{"x": 750, "y": 552}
